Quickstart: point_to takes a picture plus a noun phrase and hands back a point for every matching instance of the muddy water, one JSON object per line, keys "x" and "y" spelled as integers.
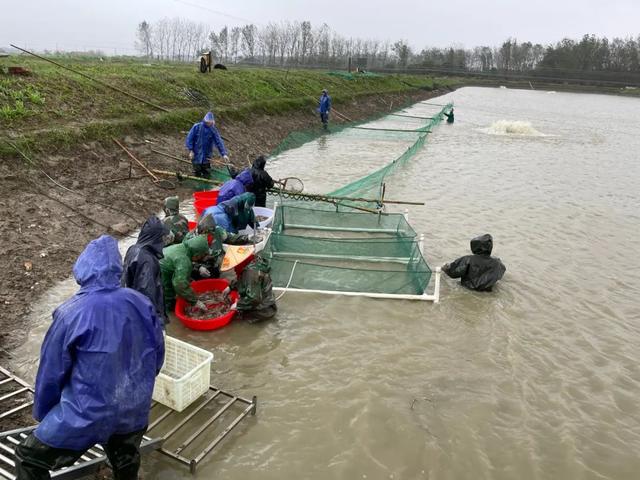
{"x": 538, "y": 380}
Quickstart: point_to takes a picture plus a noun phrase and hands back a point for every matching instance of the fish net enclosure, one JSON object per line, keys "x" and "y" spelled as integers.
{"x": 411, "y": 131}
{"x": 330, "y": 245}
{"x": 345, "y": 252}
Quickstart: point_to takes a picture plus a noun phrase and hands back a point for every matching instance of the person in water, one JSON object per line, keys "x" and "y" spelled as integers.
{"x": 449, "y": 116}
{"x": 479, "y": 271}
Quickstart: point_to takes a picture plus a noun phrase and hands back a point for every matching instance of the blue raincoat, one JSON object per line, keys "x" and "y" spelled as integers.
{"x": 325, "y": 103}
{"x": 236, "y": 186}
{"x": 200, "y": 141}
{"x": 142, "y": 264}
{"x": 100, "y": 357}
{"x": 235, "y": 214}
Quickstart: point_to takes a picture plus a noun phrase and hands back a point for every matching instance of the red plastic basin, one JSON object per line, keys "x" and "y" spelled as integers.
{"x": 204, "y": 200}
{"x": 202, "y": 286}
{"x": 206, "y": 195}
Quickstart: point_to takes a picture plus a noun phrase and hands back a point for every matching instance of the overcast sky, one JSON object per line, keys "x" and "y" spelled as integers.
{"x": 110, "y": 25}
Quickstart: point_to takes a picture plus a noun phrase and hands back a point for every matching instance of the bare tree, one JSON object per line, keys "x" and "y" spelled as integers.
{"x": 249, "y": 35}
{"x": 306, "y": 40}
{"x": 144, "y": 39}
{"x": 234, "y": 43}
{"x": 403, "y": 51}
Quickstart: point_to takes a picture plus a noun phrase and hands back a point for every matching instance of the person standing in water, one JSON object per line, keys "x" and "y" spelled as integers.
{"x": 479, "y": 271}
{"x": 449, "y": 115}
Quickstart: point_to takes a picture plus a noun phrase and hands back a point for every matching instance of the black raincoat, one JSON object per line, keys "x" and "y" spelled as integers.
{"x": 142, "y": 264}
{"x": 262, "y": 181}
{"x": 257, "y": 301}
{"x": 479, "y": 271}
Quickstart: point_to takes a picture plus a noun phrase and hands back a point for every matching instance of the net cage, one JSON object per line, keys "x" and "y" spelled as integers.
{"x": 329, "y": 247}
{"x": 359, "y": 253}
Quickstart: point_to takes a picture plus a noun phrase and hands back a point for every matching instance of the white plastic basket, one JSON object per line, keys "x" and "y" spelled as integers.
{"x": 185, "y": 375}
{"x": 264, "y": 212}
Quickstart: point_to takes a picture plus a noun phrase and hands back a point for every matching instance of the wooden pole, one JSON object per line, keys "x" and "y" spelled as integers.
{"x": 186, "y": 177}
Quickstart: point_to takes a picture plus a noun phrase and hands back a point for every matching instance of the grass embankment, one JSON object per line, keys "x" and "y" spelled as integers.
{"x": 57, "y": 109}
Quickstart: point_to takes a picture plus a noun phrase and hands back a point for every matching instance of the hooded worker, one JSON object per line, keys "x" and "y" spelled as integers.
{"x": 479, "y": 271}
{"x": 262, "y": 181}
{"x": 236, "y": 186}
{"x": 174, "y": 221}
{"x": 200, "y": 141}
{"x": 450, "y": 116}
{"x": 255, "y": 288}
{"x": 142, "y": 264}
{"x": 176, "y": 267}
{"x": 209, "y": 266}
{"x": 97, "y": 370}
{"x": 235, "y": 214}
{"x": 324, "y": 108}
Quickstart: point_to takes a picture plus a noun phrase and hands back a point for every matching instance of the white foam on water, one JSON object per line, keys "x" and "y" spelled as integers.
{"x": 512, "y": 127}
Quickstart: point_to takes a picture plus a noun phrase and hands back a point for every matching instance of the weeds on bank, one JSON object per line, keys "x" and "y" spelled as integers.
{"x": 16, "y": 102}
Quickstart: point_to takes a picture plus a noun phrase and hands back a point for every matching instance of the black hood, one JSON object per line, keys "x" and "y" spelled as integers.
{"x": 259, "y": 163}
{"x": 151, "y": 235}
{"x": 482, "y": 245}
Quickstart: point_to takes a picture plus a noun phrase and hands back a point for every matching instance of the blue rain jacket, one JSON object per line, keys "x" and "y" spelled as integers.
{"x": 236, "y": 186}
{"x": 221, "y": 218}
{"x": 235, "y": 214}
{"x": 142, "y": 264}
{"x": 325, "y": 103}
{"x": 100, "y": 357}
{"x": 200, "y": 141}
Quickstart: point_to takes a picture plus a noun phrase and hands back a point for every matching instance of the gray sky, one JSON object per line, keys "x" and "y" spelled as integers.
{"x": 110, "y": 25}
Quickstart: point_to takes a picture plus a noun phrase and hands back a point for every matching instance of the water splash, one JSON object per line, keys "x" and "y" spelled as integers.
{"x": 512, "y": 127}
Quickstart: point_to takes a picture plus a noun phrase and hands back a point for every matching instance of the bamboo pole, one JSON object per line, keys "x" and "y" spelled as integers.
{"x": 133, "y": 157}
{"x": 171, "y": 156}
{"x": 215, "y": 162}
{"x": 179, "y": 175}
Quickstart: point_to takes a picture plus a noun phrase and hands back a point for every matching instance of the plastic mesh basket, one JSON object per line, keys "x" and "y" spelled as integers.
{"x": 185, "y": 375}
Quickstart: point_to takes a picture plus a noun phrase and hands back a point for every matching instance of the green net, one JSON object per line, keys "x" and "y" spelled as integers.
{"x": 298, "y": 220}
{"x": 345, "y": 252}
{"x": 371, "y": 184}
{"x": 322, "y": 246}
{"x": 354, "y": 75}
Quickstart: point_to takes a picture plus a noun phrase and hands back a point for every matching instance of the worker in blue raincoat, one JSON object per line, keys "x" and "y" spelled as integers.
{"x": 200, "y": 141}
{"x": 142, "y": 264}
{"x": 324, "y": 108}
{"x": 236, "y": 186}
{"x": 235, "y": 214}
{"x": 97, "y": 370}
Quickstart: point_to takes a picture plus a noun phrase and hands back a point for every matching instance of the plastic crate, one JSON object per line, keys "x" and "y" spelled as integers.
{"x": 185, "y": 375}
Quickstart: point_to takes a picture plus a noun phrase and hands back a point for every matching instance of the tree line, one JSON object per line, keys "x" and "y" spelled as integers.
{"x": 302, "y": 44}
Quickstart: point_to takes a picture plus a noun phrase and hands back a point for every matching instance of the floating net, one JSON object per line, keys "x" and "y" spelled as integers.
{"x": 345, "y": 252}
{"x": 332, "y": 247}
{"x": 353, "y": 76}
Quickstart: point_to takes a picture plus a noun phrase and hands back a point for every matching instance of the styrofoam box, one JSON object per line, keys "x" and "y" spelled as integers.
{"x": 185, "y": 375}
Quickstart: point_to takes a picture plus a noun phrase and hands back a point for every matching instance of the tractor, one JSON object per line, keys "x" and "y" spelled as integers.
{"x": 206, "y": 59}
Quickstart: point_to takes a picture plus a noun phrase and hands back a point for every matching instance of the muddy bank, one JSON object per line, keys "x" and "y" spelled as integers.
{"x": 46, "y": 222}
